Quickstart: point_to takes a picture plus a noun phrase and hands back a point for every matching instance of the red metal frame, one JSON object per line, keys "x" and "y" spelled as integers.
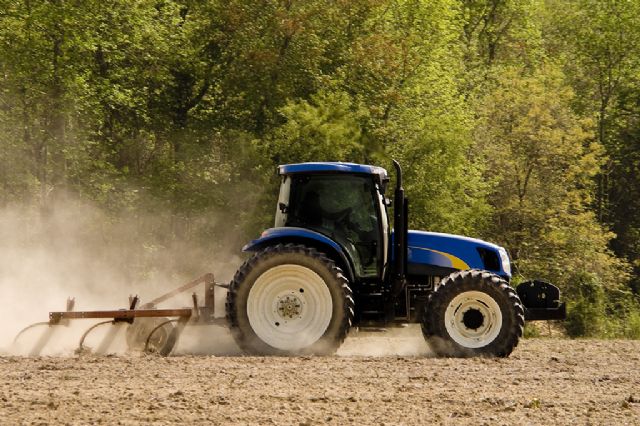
{"x": 195, "y": 315}
{"x": 123, "y": 314}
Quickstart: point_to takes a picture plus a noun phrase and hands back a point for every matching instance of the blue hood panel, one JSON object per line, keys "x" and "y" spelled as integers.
{"x": 447, "y": 250}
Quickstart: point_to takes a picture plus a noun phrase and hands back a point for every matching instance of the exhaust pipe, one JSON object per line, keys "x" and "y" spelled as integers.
{"x": 400, "y": 225}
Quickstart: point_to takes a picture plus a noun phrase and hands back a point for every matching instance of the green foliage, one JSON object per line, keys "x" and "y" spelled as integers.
{"x": 530, "y": 331}
{"x": 632, "y": 329}
{"x": 601, "y": 41}
{"x": 586, "y": 310}
{"x": 542, "y": 163}
{"x": 585, "y": 319}
{"x": 598, "y": 311}
{"x": 516, "y": 121}
{"x": 329, "y": 127}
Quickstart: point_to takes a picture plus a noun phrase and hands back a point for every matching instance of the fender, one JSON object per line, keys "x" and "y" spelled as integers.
{"x": 320, "y": 241}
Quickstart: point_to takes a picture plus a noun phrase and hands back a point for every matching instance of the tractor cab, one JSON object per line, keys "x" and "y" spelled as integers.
{"x": 344, "y": 202}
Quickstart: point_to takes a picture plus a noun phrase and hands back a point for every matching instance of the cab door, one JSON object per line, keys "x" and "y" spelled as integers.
{"x": 345, "y": 208}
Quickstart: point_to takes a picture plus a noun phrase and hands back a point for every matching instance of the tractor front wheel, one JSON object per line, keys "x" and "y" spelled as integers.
{"x": 289, "y": 299}
{"x": 473, "y": 313}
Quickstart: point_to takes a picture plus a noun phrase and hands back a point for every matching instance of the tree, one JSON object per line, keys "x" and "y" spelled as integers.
{"x": 542, "y": 162}
{"x": 603, "y": 39}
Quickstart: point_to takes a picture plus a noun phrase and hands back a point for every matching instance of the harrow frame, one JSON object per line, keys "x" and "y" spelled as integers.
{"x": 195, "y": 315}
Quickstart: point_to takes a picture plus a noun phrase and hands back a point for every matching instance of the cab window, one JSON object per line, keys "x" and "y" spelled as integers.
{"x": 342, "y": 207}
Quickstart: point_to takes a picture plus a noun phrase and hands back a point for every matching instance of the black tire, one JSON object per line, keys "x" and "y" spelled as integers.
{"x": 138, "y": 332}
{"x": 294, "y": 309}
{"x": 491, "y": 325}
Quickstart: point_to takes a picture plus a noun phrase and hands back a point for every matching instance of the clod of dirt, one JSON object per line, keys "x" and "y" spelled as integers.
{"x": 534, "y": 403}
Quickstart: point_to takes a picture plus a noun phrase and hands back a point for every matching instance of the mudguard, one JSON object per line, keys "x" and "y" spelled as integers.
{"x": 292, "y": 234}
{"x": 541, "y": 301}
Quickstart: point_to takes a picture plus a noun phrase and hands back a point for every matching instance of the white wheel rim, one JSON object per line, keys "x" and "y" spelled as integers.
{"x": 289, "y": 307}
{"x": 473, "y": 319}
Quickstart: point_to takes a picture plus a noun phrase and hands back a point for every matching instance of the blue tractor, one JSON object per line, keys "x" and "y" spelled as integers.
{"x": 332, "y": 262}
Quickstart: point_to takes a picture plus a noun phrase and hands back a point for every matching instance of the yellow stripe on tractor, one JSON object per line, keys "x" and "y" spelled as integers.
{"x": 456, "y": 262}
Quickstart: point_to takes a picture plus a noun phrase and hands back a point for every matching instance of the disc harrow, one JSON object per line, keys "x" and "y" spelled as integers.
{"x": 148, "y": 328}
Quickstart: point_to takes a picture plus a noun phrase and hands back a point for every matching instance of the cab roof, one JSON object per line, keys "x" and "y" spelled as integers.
{"x": 333, "y": 167}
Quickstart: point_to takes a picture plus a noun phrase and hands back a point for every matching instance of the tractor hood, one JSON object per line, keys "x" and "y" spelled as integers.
{"x": 430, "y": 252}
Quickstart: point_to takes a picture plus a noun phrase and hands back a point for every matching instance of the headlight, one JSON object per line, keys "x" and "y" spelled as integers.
{"x": 504, "y": 259}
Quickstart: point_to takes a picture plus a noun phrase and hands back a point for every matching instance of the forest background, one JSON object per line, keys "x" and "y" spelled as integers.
{"x": 516, "y": 121}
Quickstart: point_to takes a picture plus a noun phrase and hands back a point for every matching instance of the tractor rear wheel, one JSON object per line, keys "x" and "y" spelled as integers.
{"x": 473, "y": 313}
{"x": 289, "y": 299}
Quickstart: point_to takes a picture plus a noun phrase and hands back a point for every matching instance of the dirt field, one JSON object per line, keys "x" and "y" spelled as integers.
{"x": 545, "y": 381}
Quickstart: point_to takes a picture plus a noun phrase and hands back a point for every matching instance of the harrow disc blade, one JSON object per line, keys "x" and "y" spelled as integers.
{"x": 150, "y": 335}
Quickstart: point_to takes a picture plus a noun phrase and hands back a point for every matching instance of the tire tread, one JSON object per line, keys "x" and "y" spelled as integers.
{"x": 434, "y": 330}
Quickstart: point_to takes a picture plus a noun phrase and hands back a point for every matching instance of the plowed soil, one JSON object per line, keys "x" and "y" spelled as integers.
{"x": 374, "y": 379}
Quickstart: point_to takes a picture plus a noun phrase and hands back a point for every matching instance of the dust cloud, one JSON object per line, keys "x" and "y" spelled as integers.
{"x": 74, "y": 249}
{"x": 404, "y": 341}
{"x": 400, "y": 341}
